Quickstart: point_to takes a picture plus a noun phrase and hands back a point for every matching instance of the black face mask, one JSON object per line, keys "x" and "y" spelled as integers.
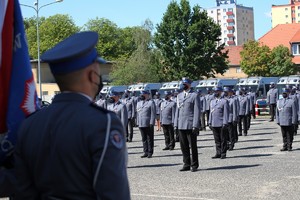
{"x": 142, "y": 98}
{"x": 185, "y": 87}
{"x": 284, "y": 95}
{"x": 225, "y": 94}
{"x": 167, "y": 98}
{"x": 111, "y": 100}
{"x": 100, "y": 84}
{"x": 126, "y": 95}
{"x": 216, "y": 94}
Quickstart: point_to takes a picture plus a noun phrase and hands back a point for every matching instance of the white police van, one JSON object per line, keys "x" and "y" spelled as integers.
{"x": 173, "y": 85}
{"x": 260, "y": 85}
{"x": 117, "y": 88}
{"x": 208, "y": 84}
{"x": 138, "y": 88}
{"x": 292, "y": 80}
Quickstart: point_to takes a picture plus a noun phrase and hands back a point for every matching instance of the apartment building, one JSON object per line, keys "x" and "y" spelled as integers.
{"x": 235, "y": 20}
{"x": 286, "y": 14}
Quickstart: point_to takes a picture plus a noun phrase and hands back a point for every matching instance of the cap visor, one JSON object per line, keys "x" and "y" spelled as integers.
{"x": 101, "y": 60}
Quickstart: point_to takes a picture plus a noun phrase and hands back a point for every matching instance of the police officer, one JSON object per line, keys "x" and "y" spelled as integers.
{"x": 244, "y": 110}
{"x": 157, "y": 101}
{"x": 167, "y": 115}
{"x": 218, "y": 122}
{"x": 295, "y": 98}
{"x": 286, "y": 118}
{"x": 202, "y": 100}
{"x": 174, "y": 98}
{"x": 208, "y": 97}
{"x": 187, "y": 122}
{"x": 102, "y": 102}
{"x": 117, "y": 107}
{"x": 131, "y": 111}
{"x": 146, "y": 112}
{"x": 251, "y": 102}
{"x": 233, "y": 116}
{"x": 73, "y": 149}
{"x": 272, "y": 97}
{"x": 253, "y": 98}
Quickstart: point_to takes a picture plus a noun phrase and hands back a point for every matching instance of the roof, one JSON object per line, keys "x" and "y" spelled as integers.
{"x": 296, "y": 37}
{"x": 234, "y": 56}
{"x": 280, "y": 35}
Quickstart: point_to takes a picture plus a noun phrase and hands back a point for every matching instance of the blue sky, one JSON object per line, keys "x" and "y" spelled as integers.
{"x": 134, "y": 12}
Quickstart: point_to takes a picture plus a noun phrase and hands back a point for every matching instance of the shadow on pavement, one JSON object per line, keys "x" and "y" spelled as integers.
{"x": 170, "y": 155}
{"x": 262, "y": 133}
{"x": 251, "y": 156}
{"x": 202, "y": 147}
{"x": 254, "y": 147}
{"x": 204, "y": 140}
{"x": 232, "y": 167}
{"x": 157, "y": 165}
{"x": 258, "y": 140}
{"x": 132, "y": 153}
{"x": 135, "y": 147}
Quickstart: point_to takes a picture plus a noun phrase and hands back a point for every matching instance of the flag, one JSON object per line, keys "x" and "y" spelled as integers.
{"x": 16, "y": 78}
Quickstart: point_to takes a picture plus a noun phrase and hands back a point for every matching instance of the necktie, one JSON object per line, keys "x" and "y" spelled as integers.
{"x": 184, "y": 94}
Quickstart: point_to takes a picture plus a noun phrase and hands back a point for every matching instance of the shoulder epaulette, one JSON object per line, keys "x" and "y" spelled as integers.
{"x": 94, "y": 105}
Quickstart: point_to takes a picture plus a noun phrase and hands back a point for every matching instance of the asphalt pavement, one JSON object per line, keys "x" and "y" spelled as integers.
{"x": 255, "y": 169}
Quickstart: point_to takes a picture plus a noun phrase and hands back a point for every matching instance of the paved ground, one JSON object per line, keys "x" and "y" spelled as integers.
{"x": 256, "y": 169}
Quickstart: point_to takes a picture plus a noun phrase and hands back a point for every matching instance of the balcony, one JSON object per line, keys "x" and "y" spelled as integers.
{"x": 230, "y": 20}
{"x": 231, "y": 42}
{"x": 230, "y": 27}
{"x": 230, "y": 35}
{"x": 229, "y": 13}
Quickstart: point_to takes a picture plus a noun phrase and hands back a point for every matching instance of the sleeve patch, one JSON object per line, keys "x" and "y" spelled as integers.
{"x": 116, "y": 139}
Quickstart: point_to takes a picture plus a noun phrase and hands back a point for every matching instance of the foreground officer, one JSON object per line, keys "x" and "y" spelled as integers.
{"x": 218, "y": 121}
{"x": 73, "y": 149}
{"x": 117, "y": 107}
{"x": 146, "y": 112}
{"x": 187, "y": 120}
{"x": 167, "y": 115}
{"x": 286, "y": 118}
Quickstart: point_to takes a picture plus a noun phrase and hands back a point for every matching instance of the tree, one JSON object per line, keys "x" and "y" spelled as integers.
{"x": 52, "y": 30}
{"x": 188, "y": 41}
{"x": 255, "y": 59}
{"x": 281, "y": 62}
{"x": 142, "y": 65}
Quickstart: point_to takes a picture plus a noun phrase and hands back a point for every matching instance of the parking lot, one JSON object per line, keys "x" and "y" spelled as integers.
{"x": 255, "y": 169}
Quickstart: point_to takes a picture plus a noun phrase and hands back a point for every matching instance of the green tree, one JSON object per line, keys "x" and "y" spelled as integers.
{"x": 51, "y": 30}
{"x": 281, "y": 62}
{"x": 255, "y": 59}
{"x": 188, "y": 42}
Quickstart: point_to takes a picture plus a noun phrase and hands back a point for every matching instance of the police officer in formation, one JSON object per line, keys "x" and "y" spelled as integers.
{"x": 203, "y": 110}
{"x": 116, "y": 106}
{"x": 272, "y": 97}
{"x": 102, "y": 101}
{"x": 131, "y": 112}
{"x": 208, "y": 97}
{"x": 157, "y": 101}
{"x": 187, "y": 121}
{"x": 293, "y": 95}
{"x": 286, "y": 118}
{"x": 243, "y": 112}
{"x": 218, "y": 122}
{"x": 232, "y": 118}
{"x": 61, "y": 148}
{"x": 146, "y": 113}
{"x": 167, "y": 116}
{"x": 251, "y": 106}
{"x": 174, "y": 98}
{"x": 253, "y": 98}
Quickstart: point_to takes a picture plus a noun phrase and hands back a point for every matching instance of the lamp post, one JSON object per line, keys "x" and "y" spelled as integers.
{"x": 37, "y": 10}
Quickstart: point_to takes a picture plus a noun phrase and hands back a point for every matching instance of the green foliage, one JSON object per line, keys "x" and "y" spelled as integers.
{"x": 260, "y": 60}
{"x": 188, "y": 41}
{"x": 51, "y": 30}
{"x": 281, "y": 62}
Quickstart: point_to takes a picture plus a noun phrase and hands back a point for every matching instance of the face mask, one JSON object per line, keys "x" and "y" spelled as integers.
{"x": 100, "y": 84}
{"x": 216, "y": 94}
{"x": 240, "y": 93}
{"x": 225, "y": 94}
{"x": 185, "y": 87}
{"x": 126, "y": 96}
{"x": 111, "y": 100}
{"x": 166, "y": 98}
{"x": 284, "y": 95}
{"x": 142, "y": 98}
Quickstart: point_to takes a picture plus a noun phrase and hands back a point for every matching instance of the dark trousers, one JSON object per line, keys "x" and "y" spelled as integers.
{"x": 129, "y": 129}
{"x": 295, "y": 129}
{"x": 188, "y": 139}
{"x": 253, "y": 111}
{"x": 272, "y": 110}
{"x": 207, "y": 112}
{"x": 220, "y": 140}
{"x": 176, "y": 135}
{"x": 147, "y": 139}
{"x": 235, "y": 131}
{"x": 248, "y": 121}
{"x": 202, "y": 120}
{"x": 168, "y": 130}
{"x": 243, "y": 120}
{"x": 288, "y": 136}
{"x": 231, "y": 134}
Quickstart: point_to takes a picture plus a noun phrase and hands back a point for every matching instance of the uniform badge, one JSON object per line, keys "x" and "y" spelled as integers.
{"x": 116, "y": 139}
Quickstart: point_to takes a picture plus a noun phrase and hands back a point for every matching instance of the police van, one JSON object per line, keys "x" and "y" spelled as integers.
{"x": 292, "y": 80}
{"x": 259, "y": 85}
{"x": 174, "y": 85}
{"x": 138, "y": 88}
{"x": 117, "y": 88}
{"x": 208, "y": 84}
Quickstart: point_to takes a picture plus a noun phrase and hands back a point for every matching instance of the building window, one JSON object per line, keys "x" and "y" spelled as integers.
{"x": 286, "y": 16}
{"x": 298, "y": 14}
{"x": 225, "y": 40}
{"x": 238, "y": 70}
{"x": 211, "y": 11}
{"x": 298, "y": 7}
{"x": 224, "y": 10}
{"x": 296, "y": 49}
{"x": 224, "y": 17}
{"x": 225, "y": 31}
{"x": 225, "y": 24}
{"x": 231, "y": 24}
{"x": 45, "y": 93}
{"x": 219, "y": 21}
{"x": 230, "y": 9}
{"x": 230, "y": 31}
{"x": 56, "y": 92}
{"x": 286, "y": 9}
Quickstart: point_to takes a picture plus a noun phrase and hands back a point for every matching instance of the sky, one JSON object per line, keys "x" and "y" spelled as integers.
{"x": 126, "y": 13}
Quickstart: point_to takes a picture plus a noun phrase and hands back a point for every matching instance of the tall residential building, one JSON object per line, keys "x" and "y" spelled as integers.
{"x": 236, "y": 21}
{"x": 286, "y": 14}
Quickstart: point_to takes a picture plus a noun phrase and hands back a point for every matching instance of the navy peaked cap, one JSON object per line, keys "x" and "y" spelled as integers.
{"x": 145, "y": 92}
{"x": 168, "y": 93}
{"x": 285, "y": 90}
{"x": 74, "y": 53}
{"x": 227, "y": 89}
{"x": 218, "y": 89}
{"x": 186, "y": 81}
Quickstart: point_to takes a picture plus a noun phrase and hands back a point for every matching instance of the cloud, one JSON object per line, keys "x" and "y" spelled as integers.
{"x": 268, "y": 14}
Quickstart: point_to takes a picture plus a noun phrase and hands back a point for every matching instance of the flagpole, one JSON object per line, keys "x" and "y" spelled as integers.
{"x": 37, "y": 9}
